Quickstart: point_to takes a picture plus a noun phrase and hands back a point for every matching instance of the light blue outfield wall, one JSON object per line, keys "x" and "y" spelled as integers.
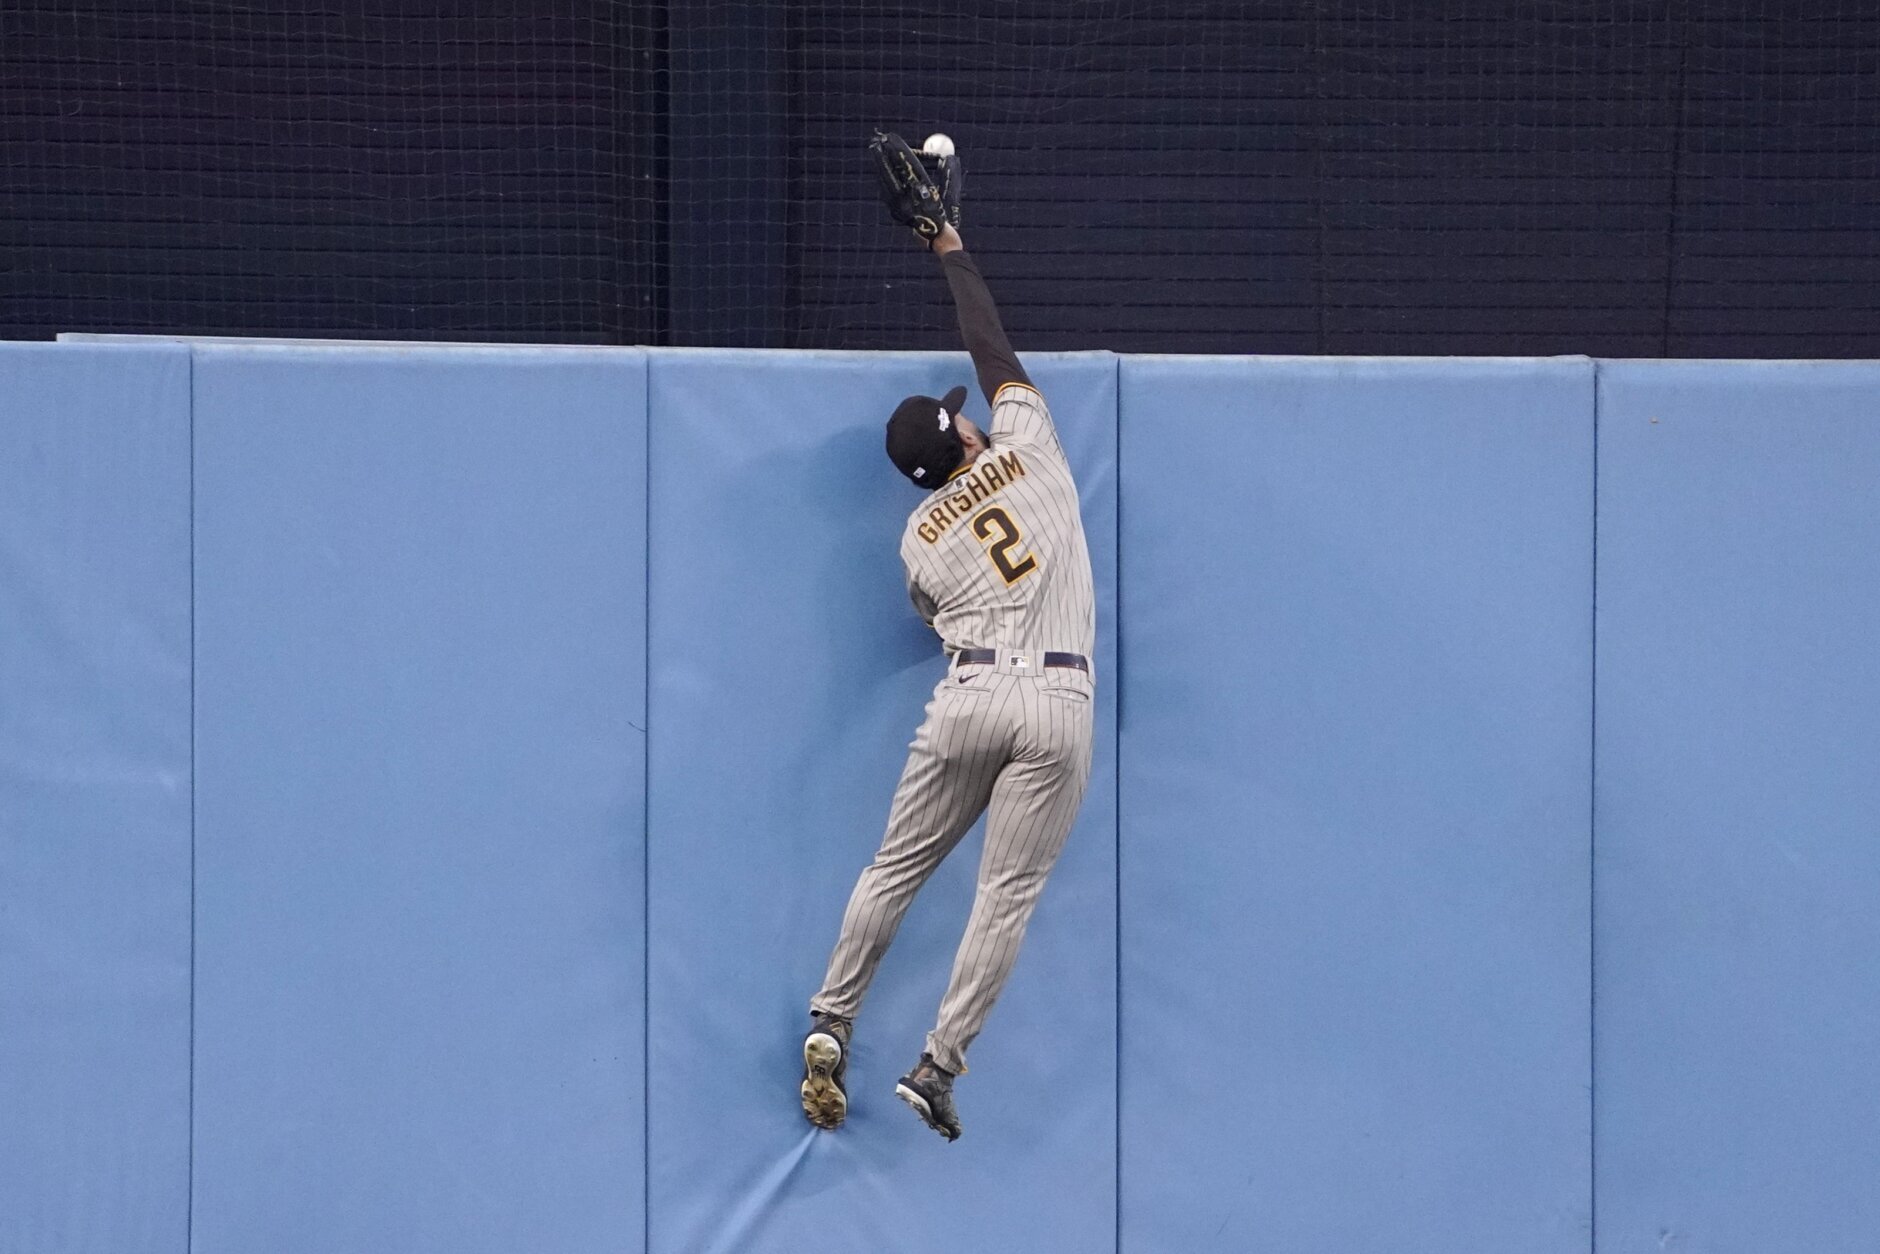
{"x": 788, "y": 674}
{"x": 1739, "y": 807}
{"x": 328, "y": 689}
{"x": 94, "y": 799}
{"x": 1357, "y": 669}
{"x": 420, "y": 697}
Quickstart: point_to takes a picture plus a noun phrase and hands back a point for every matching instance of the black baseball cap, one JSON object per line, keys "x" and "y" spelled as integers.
{"x": 924, "y": 441}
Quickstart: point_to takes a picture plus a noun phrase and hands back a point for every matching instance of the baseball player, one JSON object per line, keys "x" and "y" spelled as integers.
{"x": 997, "y": 565}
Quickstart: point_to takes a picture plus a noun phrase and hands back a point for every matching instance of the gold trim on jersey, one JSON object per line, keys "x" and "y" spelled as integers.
{"x": 1015, "y": 384}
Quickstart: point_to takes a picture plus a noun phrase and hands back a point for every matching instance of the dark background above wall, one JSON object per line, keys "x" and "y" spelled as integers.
{"x": 1633, "y": 178}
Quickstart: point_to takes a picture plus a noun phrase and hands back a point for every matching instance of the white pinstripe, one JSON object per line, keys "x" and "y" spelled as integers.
{"x": 1010, "y": 738}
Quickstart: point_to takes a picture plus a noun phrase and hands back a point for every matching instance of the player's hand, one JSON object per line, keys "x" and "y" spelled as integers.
{"x": 946, "y": 242}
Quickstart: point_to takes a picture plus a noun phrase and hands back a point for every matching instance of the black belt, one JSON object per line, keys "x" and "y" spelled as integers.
{"x": 984, "y": 657}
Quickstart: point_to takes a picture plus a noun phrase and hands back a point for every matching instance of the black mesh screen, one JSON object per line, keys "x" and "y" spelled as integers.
{"x": 425, "y": 171}
{"x": 1621, "y": 178}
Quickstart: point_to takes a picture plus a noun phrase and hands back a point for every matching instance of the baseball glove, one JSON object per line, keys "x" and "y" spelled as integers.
{"x": 921, "y": 190}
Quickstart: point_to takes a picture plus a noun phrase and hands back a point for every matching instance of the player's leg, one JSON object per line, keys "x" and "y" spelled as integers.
{"x": 949, "y": 776}
{"x": 1033, "y": 804}
{"x": 944, "y": 788}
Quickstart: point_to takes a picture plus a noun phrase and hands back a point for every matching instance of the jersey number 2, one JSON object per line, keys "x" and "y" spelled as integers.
{"x": 995, "y": 522}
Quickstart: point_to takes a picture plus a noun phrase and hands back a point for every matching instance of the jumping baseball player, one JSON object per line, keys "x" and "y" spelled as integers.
{"x": 997, "y": 565}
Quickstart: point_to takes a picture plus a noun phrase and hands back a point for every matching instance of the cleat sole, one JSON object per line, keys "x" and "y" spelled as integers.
{"x": 824, "y": 1103}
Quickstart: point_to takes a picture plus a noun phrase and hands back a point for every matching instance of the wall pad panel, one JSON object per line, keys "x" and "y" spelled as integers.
{"x": 1739, "y": 849}
{"x": 1355, "y": 823}
{"x": 788, "y": 674}
{"x": 94, "y": 799}
{"x": 420, "y": 701}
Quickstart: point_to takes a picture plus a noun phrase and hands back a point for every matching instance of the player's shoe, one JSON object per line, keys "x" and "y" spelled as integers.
{"x": 825, "y": 1066}
{"x": 929, "y": 1090}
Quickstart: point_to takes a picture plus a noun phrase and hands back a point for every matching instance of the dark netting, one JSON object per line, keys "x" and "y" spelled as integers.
{"x": 480, "y": 171}
{"x": 1620, "y": 178}
{"x": 1471, "y": 177}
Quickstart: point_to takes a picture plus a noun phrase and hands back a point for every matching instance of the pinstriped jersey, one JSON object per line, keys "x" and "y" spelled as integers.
{"x": 996, "y": 556}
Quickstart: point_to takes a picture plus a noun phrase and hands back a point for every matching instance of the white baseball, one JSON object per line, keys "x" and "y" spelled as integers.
{"x": 937, "y": 145}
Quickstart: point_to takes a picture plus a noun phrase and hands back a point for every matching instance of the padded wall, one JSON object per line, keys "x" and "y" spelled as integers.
{"x": 1354, "y": 854}
{"x": 420, "y": 701}
{"x": 1738, "y": 983}
{"x": 1355, "y": 805}
{"x": 788, "y": 673}
{"x": 94, "y": 799}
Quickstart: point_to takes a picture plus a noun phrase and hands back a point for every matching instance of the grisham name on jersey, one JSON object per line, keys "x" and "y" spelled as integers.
{"x": 993, "y": 472}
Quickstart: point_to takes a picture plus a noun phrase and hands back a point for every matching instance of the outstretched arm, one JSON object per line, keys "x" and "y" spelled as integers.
{"x": 993, "y": 358}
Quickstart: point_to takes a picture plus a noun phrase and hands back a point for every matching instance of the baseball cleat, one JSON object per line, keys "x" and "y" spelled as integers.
{"x": 825, "y": 1065}
{"x": 928, "y": 1090}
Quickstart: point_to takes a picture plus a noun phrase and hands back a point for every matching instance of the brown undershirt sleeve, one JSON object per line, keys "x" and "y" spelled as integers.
{"x": 993, "y": 358}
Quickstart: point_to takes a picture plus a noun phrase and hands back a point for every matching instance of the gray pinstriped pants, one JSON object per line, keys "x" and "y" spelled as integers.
{"x": 1010, "y": 741}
